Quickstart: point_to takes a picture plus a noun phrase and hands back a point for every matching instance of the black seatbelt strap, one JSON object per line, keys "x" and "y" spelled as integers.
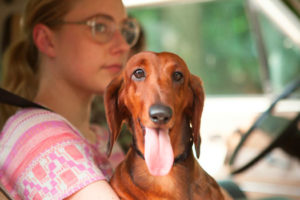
{"x": 9, "y": 98}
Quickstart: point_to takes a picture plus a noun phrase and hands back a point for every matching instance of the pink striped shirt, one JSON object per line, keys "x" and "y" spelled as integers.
{"x": 42, "y": 156}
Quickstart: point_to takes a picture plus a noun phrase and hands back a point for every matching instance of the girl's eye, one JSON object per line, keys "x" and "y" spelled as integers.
{"x": 138, "y": 75}
{"x": 101, "y": 28}
{"x": 177, "y": 76}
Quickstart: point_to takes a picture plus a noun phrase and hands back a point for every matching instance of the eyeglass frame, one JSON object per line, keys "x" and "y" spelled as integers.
{"x": 91, "y": 22}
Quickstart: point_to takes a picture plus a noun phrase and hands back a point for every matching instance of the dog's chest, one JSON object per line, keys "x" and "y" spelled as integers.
{"x": 167, "y": 187}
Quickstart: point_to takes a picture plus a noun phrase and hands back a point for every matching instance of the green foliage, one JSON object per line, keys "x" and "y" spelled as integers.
{"x": 213, "y": 38}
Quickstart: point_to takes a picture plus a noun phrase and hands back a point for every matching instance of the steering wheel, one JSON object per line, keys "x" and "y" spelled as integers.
{"x": 288, "y": 137}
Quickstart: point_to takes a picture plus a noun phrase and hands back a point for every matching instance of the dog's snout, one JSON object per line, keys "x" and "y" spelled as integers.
{"x": 160, "y": 114}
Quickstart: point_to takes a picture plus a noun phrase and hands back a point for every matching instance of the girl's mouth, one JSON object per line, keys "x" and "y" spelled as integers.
{"x": 115, "y": 68}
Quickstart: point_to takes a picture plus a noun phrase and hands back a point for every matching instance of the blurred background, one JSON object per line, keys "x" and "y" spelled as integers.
{"x": 247, "y": 52}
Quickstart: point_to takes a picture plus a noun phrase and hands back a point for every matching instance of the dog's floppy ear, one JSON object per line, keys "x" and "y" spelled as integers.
{"x": 113, "y": 110}
{"x": 198, "y": 102}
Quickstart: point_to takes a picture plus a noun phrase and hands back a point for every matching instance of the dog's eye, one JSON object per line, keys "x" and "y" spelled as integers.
{"x": 138, "y": 75}
{"x": 177, "y": 76}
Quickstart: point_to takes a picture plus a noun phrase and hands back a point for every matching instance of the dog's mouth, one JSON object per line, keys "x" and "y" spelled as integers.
{"x": 158, "y": 150}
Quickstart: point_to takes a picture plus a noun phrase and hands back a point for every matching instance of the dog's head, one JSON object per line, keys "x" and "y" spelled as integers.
{"x": 154, "y": 94}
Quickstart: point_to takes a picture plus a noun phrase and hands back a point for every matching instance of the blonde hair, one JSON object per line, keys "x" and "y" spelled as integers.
{"x": 21, "y": 60}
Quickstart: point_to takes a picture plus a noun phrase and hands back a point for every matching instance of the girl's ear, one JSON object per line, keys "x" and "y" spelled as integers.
{"x": 44, "y": 39}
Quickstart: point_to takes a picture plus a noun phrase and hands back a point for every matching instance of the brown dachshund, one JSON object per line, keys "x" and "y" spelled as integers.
{"x": 162, "y": 104}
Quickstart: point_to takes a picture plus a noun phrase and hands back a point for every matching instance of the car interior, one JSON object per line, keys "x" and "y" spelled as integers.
{"x": 247, "y": 52}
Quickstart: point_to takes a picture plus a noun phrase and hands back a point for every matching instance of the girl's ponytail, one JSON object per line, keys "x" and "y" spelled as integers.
{"x": 19, "y": 73}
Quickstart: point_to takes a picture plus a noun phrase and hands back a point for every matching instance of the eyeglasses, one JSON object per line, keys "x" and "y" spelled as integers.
{"x": 103, "y": 28}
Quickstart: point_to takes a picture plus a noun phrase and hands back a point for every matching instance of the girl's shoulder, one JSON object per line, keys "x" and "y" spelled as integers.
{"x": 35, "y": 119}
{"x": 29, "y": 117}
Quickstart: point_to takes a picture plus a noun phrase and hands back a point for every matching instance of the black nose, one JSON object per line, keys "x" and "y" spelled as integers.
{"x": 160, "y": 114}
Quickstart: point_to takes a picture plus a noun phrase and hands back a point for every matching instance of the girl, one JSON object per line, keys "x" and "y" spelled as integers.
{"x": 69, "y": 52}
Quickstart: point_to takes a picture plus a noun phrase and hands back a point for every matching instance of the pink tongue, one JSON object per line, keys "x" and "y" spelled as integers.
{"x": 158, "y": 152}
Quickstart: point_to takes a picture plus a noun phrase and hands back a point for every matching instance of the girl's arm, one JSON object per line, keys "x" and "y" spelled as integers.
{"x": 97, "y": 190}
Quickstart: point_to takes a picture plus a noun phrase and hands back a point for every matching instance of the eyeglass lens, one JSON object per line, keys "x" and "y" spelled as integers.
{"x": 104, "y": 28}
{"x": 130, "y": 31}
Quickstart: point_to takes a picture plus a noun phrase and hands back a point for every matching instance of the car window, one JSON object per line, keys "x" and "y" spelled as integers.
{"x": 218, "y": 42}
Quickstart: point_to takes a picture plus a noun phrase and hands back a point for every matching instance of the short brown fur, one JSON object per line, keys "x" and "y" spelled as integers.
{"x": 127, "y": 100}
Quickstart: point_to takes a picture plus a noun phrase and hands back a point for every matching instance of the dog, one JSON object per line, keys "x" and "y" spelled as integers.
{"x": 162, "y": 103}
